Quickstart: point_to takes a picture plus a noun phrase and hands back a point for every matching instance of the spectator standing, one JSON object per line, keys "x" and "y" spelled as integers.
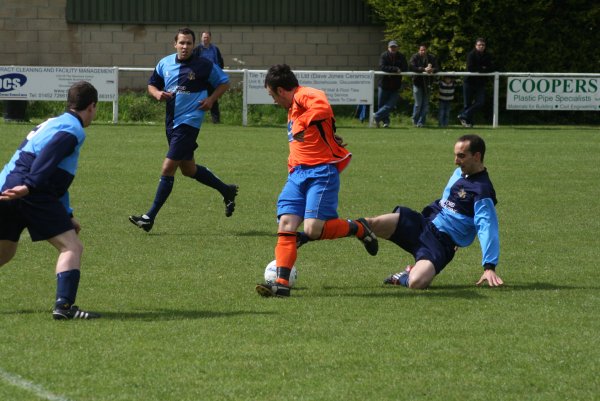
{"x": 211, "y": 52}
{"x": 478, "y": 60}
{"x": 387, "y": 93}
{"x": 425, "y": 64}
{"x": 446, "y": 96}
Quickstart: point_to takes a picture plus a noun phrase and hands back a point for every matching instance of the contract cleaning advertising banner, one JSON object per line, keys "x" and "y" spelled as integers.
{"x": 53, "y": 83}
{"x": 341, "y": 87}
{"x": 553, "y": 93}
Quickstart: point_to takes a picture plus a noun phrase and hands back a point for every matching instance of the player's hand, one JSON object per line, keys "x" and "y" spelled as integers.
{"x": 162, "y": 95}
{"x": 76, "y": 225}
{"x": 205, "y": 104}
{"x": 14, "y": 193}
{"x": 491, "y": 277}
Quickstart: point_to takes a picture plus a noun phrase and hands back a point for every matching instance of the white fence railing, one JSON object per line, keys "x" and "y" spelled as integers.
{"x": 537, "y": 91}
{"x": 355, "y": 92}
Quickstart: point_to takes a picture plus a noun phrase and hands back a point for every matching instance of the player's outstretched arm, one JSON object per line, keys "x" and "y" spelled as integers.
{"x": 491, "y": 277}
{"x": 14, "y": 193}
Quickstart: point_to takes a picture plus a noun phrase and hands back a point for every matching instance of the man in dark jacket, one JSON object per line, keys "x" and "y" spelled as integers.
{"x": 478, "y": 60}
{"x": 387, "y": 97}
{"x": 422, "y": 63}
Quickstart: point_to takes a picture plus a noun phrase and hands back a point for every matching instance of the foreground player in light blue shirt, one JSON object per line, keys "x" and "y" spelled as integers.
{"x": 466, "y": 209}
{"x": 182, "y": 81}
{"x": 34, "y": 194}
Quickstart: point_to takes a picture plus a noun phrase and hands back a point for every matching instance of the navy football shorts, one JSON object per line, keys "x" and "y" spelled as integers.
{"x": 43, "y": 219}
{"x": 421, "y": 238}
{"x": 182, "y": 142}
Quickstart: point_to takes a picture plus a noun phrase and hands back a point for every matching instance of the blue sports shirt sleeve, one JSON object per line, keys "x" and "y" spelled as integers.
{"x": 217, "y": 76}
{"x": 46, "y": 163}
{"x": 156, "y": 80}
{"x": 486, "y": 222}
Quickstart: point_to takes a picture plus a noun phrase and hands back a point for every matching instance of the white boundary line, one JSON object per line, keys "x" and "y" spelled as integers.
{"x": 24, "y": 384}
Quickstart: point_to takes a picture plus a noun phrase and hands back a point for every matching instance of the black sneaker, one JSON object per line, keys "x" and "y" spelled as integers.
{"x": 73, "y": 313}
{"x": 464, "y": 122}
{"x": 142, "y": 222}
{"x": 369, "y": 238}
{"x": 229, "y": 200}
{"x": 273, "y": 290}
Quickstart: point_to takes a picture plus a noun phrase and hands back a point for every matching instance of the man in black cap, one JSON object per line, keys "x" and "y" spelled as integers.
{"x": 387, "y": 96}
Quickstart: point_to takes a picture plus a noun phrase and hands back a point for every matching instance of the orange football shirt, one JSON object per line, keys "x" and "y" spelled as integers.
{"x": 311, "y": 131}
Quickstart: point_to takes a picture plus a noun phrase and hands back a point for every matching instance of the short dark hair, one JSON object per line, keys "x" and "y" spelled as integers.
{"x": 81, "y": 95}
{"x": 476, "y": 144}
{"x": 185, "y": 31}
{"x": 482, "y": 40}
{"x": 281, "y": 75}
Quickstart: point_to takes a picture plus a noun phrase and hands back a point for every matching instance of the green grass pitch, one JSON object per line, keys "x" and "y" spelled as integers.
{"x": 181, "y": 320}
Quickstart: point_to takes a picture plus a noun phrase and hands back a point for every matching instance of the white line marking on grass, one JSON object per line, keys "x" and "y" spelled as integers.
{"x": 24, "y": 384}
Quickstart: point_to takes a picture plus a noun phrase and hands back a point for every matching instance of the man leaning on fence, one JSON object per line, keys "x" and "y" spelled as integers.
{"x": 389, "y": 85}
{"x": 478, "y": 60}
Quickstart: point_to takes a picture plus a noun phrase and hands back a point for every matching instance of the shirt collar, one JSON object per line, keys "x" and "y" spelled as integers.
{"x": 74, "y": 114}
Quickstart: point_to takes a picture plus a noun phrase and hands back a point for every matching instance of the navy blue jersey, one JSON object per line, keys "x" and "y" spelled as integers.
{"x": 467, "y": 208}
{"x": 188, "y": 80}
{"x": 211, "y": 53}
{"x": 46, "y": 161}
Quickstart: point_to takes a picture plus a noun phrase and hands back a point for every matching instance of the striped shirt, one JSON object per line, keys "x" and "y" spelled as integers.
{"x": 446, "y": 90}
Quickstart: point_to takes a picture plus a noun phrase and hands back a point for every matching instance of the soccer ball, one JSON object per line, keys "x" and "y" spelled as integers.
{"x": 271, "y": 274}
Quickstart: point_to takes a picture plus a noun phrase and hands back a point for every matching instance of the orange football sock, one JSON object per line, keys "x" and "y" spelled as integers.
{"x": 285, "y": 255}
{"x": 338, "y": 228}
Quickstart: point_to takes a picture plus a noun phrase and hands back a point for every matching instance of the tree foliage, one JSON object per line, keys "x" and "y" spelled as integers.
{"x": 536, "y": 36}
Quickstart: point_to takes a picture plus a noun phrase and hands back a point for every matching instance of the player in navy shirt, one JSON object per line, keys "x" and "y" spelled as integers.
{"x": 466, "y": 209}
{"x": 182, "y": 81}
{"x": 34, "y": 194}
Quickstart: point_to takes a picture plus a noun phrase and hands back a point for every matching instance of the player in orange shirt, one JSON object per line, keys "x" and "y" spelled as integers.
{"x": 310, "y": 195}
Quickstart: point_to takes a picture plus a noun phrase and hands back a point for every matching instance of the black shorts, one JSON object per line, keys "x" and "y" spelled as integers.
{"x": 421, "y": 238}
{"x": 182, "y": 142}
{"x": 43, "y": 217}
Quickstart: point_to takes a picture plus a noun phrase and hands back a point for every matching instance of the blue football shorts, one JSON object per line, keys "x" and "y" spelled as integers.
{"x": 421, "y": 238}
{"x": 182, "y": 142}
{"x": 44, "y": 218}
{"x": 311, "y": 192}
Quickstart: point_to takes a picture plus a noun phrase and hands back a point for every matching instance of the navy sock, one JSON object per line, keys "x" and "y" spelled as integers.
{"x": 165, "y": 186}
{"x": 404, "y": 280}
{"x": 301, "y": 239}
{"x": 207, "y": 177}
{"x": 66, "y": 287}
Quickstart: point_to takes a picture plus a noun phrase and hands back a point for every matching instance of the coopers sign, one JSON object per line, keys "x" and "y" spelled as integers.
{"x": 553, "y": 93}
